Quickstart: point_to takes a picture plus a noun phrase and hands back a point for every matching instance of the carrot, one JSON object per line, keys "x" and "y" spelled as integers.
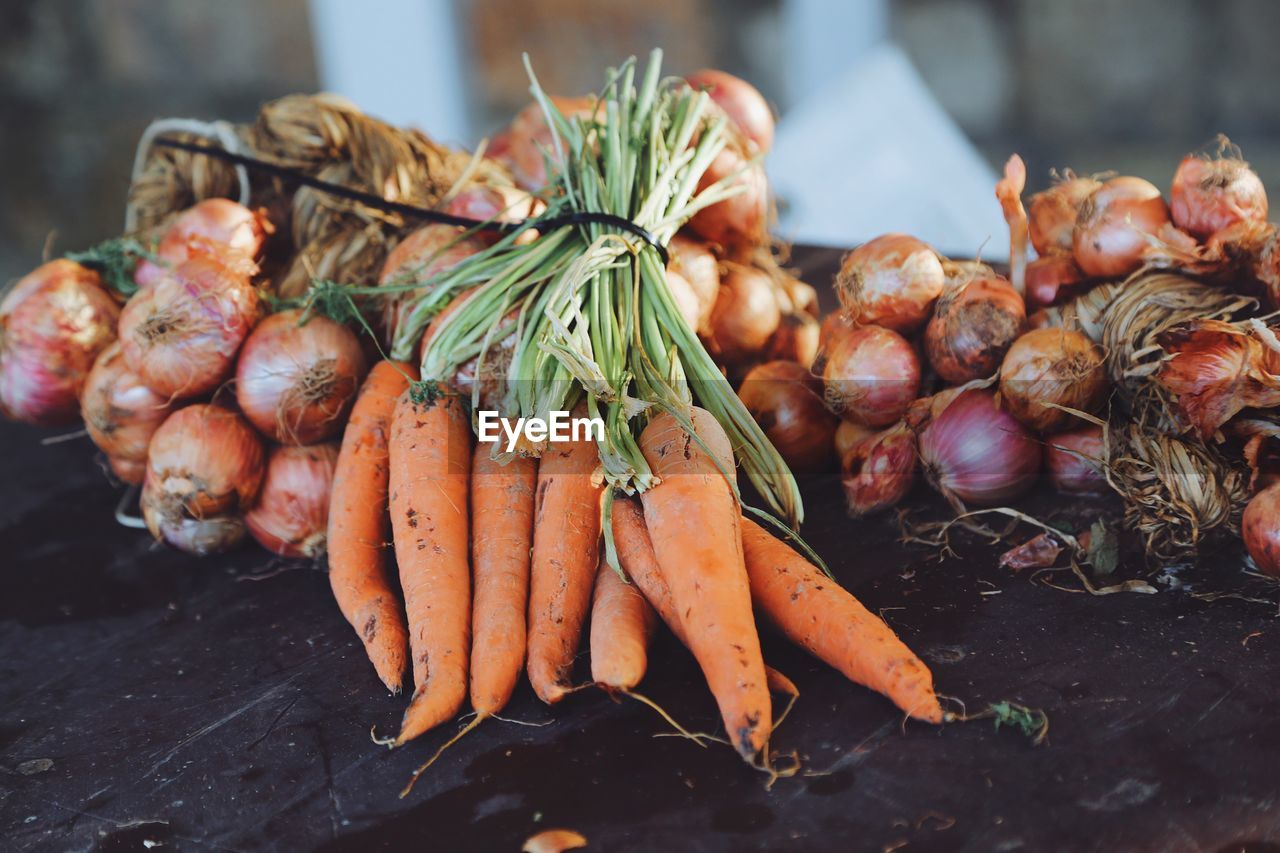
{"x": 635, "y": 554}
{"x": 430, "y": 467}
{"x": 817, "y": 614}
{"x": 622, "y": 624}
{"x": 566, "y": 550}
{"x": 359, "y": 526}
{"x": 502, "y": 508}
{"x": 695, "y": 525}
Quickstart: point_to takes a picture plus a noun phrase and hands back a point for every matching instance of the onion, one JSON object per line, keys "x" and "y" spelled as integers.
{"x": 786, "y": 400}
{"x": 291, "y": 515}
{"x": 1260, "y": 529}
{"x": 848, "y": 435}
{"x": 975, "y": 452}
{"x": 1052, "y": 214}
{"x": 745, "y": 315}
{"x": 743, "y": 218}
{"x": 1074, "y": 460}
{"x": 972, "y": 327}
{"x": 204, "y": 467}
{"x": 1059, "y": 366}
{"x": 685, "y": 297}
{"x": 53, "y": 324}
{"x": 121, "y": 414}
{"x": 795, "y": 340}
{"x": 485, "y": 202}
{"x": 872, "y": 375}
{"x": 1051, "y": 280}
{"x": 1115, "y": 225}
{"x": 296, "y": 381}
{"x": 804, "y": 297}
{"x": 492, "y": 372}
{"x": 694, "y": 261}
{"x": 878, "y": 472}
{"x": 741, "y": 101}
{"x": 891, "y": 281}
{"x": 525, "y": 146}
{"x": 429, "y": 251}
{"x": 219, "y": 224}
{"x": 181, "y": 334}
{"x": 1211, "y": 194}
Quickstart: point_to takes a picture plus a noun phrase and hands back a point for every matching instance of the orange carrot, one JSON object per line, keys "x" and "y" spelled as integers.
{"x": 816, "y": 613}
{"x": 622, "y": 624}
{"x": 359, "y": 526}
{"x": 430, "y": 468}
{"x": 695, "y": 525}
{"x": 566, "y": 549}
{"x": 635, "y": 554}
{"x": 502, "y": 508}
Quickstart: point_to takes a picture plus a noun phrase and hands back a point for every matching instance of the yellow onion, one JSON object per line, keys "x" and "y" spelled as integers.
{"x": 1074, "y": 460}
{"x": 682, "y": 293}
{"x": 1051, "y": 214}
{"x": 297, "y": 381}
{"x": 1209, "y": 195}
{"x": 1116, "y": 225}
{"x": 53, "y": 324}
{"x": 745, "y": 315}
{"x": 796, "y": 339}
{"x": 786, "y": 400}
{"x": 1052, "y": 366}
{"x": 891, "y": 281}
{"x": 1260, "y": 529}
{"x": 204, "y": 467}
{"x": 972, "y": 451}
{"x": 871, "y": 375}
{"x": 849, "y": 434}
{"x": 121, "y": 414}
{"x": 743, "y": 218}
{"x": 972, "y": 327}
{"x": 215, "y": 224}
{"x": 291, "y": 515}
{"x": 741, "y": 102}
{"x": 429, "y": 251}
{"x": 699, "y": 266}
{"x": 181, "y": 334}
{"x": 879, "y": 471}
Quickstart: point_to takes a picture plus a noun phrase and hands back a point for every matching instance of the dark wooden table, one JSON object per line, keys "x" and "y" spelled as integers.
{"x": 147, "y": 697}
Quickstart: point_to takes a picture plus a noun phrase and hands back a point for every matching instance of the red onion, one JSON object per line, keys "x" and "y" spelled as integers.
{"x": 181, "y": 334}
{"x": 427, "y": 252}
{"x": 745, "y": 315}
{"x": 1074, "y": 460}
{"x": 975, "y": 452}
{"x": 972, "y": 327}
{"x": 219, "y": 224}
{"x": 291, "y": 515}
{"x": 879, "y": 471}
{"x": 786, "y": 400}
{"x": 1051, "y": 280}
{"x": 204, "y": 467}
{"x": 1115, "y": 225}
{"x": 1211, "y": 194}
{"x": 891, "y": 281}
{"x": 872, "y": 375}
{"x": 1260, "y": 529}
{"x": 743, "y": 218}
{"x": 1059, "y": 366}
{"x": 121, "y": 414}
{"x": 296, "y": 383}
{"x": 1052, "y": 214}
{"x": 741, "y": 102}
{"x": 694, "y": 261}
{"x": 53, "y": 324}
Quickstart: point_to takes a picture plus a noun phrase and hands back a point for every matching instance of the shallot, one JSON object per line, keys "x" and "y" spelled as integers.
{"x": 218, "y": 224}
{"x": 872, "y": 375}
{"x": 121, "y": 414}
{"x": 1210, "y": 194}
{"x": 745, "y": 315}
{"x": 972, "y": 327}
{"x": 291, "y": 515}
{"x": 1260, "y": 529}
{"x": 786, "y": 400}
{"x": 1075, "y": 459}
{"x": 879, "y": 471}
{"x": 741, "y": 102}
{"x": 891, "y": 281}
{"x": 1052, "y": 214}
{"x": 1116, "y": 224}
{"x": 972, "y": 451}
{"x": 1047, "y": 370}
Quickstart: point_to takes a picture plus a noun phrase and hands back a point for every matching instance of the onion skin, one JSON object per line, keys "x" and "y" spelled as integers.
{"x": 1052, "y": 280}
{"x": 699, "y": 266}
{"x": 204, "y": 468}
{"x": 218, "y": 224}
{"x": 1069, "y": 473}
{"x": 742, "y": 219}
{"x": 872, "y": 375}
{"x": 296, "y": 383}
{"x": 121, "y": 414}
{"x": 1115, "y": 226}
{"x": 745, "y": 315}
{"x": 741, "y": 102}
{"x": 974, "y": 452}
{"x": 291, "y": 515}
{"x": 878, "y": 472}
{"x": 891, "y": 281}
{"x": 1260, "y": 529}
{"x": 1052, "y": 215}
{"x": 786, "y": 400}
{"x": 53, "y": 324}
{"x": 1209, "y": 195}
{"x": 1059, "y": 366}
{"x": 181, "y": 334}
{"x": 972, "y": 327}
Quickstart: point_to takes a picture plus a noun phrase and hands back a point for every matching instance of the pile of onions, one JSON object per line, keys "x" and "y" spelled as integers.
{"x": 745, "y": 316}
{"x": 291, "y": 516}
{"x": 972, "y": 327}
{"x": 181, "y": 334}
{"x": 53, "y": 324}
{"x": 786, "y": 400}
{"x": 204, "y": 466}
{"x": 1051, "y": 280}
{"x": 297, "y": 381}
{"x": 1074, "y": 460}
{"x": 1116, "y": 224}
{"x": 1260, "y": 529}
{"x": 974, "y": 452}
{"x": 121, "y": 414}
{"x": 871, "y": 375}
{"x": 891, "y": 281}
{"x": 1211, "y": 194}
{"x": 426, "y": 252}
{"x": 743, "y": 218}
{"x": 1052, "y": 366}
{"x": 701, "y": 270}
{"x": 879, "y": 471}
{"x": 1051, "y": 214}
{"x": 741, "y": 102}
{"x": 219, "y": 224}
